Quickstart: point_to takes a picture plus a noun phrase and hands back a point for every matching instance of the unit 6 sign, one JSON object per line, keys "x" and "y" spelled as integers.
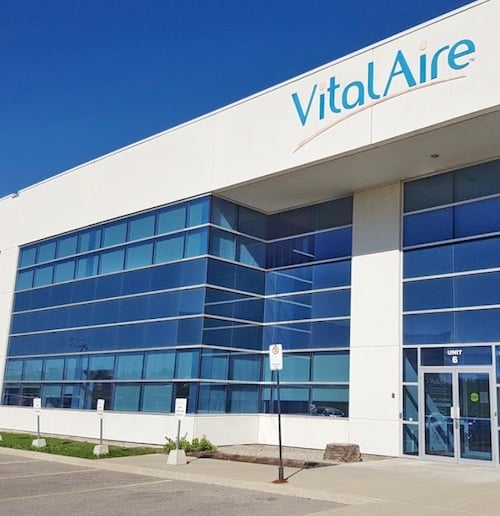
{"x": 276, "y": 357}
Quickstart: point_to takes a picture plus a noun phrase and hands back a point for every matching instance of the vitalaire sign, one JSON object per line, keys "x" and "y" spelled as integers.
{"x": 405, "y": 74}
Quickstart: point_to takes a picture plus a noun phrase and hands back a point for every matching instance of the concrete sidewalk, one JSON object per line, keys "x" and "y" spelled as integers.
{"x": 383, "y": 487}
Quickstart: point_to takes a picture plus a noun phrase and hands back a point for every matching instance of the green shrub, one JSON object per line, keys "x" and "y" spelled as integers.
{"x": 196, "y": 445}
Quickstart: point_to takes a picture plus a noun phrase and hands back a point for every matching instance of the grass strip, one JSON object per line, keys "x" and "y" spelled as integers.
{"x": 69, "y": 447}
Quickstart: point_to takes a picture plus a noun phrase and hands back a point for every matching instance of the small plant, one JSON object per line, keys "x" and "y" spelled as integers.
{"x": 196, "y": 445}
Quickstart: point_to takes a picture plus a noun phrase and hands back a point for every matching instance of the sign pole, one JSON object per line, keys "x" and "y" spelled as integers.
{"x": 281, "y": 477}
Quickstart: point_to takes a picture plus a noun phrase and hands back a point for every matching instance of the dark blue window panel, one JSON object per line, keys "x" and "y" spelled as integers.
{"x": 27, "y": 256}
{"x": 478, "y": 326}
{"x": 477, "y": 289}
{"x": 198, "y": 211}
{"x": 435, "y": 328}
{"x": 430, "y": 226}
{"x": 172, "y": 218}
{"x": 331, "y": 304}
{"x": 67, "y": 246}
{"x": 477, "y": 254}
{"x": 108, "y": 286}
{"x": 330, "y": 400}
{"x": 230, "y": 275}
{"x": 293, "y": 222}
{"x": 212, "y": 398}
{"x": 225, "y": 333}
{"x": 456, "y": 356}
{"x": 223, "y": 244}
{"x": 333, "y": 244}
{"x": 428, "y": 261}
{"x": 334, "y": 213}
{"x": 477, "y": 218}
{"x": 428, "y": 192}
{"x": 244, "y": 367}
{"x": 322, "y": 334}
{"x": 410, "y": 365}
{"x": 89, "y": 240}
{"x": 477, "y": 181}
{"x": 142, "y": 226}
{"x": 230, "y": 304}
{"x": 224, "y": 213}
{"x": 251, "y": 252}
{"x": 252, "y": 222}
{"x": 294, "y": 400}
{"x": 336, "y": 274}
{"x": 428, "y": 294}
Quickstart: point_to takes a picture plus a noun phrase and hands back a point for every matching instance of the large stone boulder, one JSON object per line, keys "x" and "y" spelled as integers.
{"x": 342, "y": 452}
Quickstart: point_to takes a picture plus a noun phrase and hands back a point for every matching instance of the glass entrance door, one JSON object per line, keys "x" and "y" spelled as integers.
{"x": 457, "y": 415}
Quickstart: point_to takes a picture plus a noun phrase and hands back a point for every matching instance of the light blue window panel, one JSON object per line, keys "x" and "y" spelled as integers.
{"x": 330, "y": 367}
{"x": 330, "y": 401}
{"x": 28, "y": 256}
{"x": 198, "y": 212}
{"x": 251, "y": 252}
{"x": 112, "y": 261}
{"x": 101, "y": 367}
{"x": 64, "y": 271}
{"x": 43, "y": 276}
{"x": 245, "y": 367}
{"x": 187, "y": 364}
{"x": 169, "y": 249}
{"x": 13, "y": 370}
{"x": 224, "y": 213}
{"x": 33, "y": 369}
{"x": 51, "y": 396}
{"x": 77, "y": 366}
{"x": 172, "y": 218}
{"x": 157, "y": 398}
{"x": 126, "y": 398}
{"x": 212, "y": 398}
{"x": 214, "y": 365}
{"x": 46, "y": 252}
{"x": 114, "y": 234}
{"x": 410, "y": 365}
{"x": 139, "y": 255}
{"x": 89, "y": 240}
{"x": 196, "y": 243}
{"x": 294, "y": 400}
{"x": 223, "y": 244}
{"x": 296, "y": 367}
{"x": 73, "y": 396}
{"x": 53, "y": 369}
{"x": 66, "y": 246}
{"x": 410, "y": 402}
{"x": 142, "y": 227}
{"x": 129, "y": 366}
{"x": 243, "y": 399}
{"x": 24, "y": 280}
{"x": 87, "y": 266}
{"x": 159, "y": 365}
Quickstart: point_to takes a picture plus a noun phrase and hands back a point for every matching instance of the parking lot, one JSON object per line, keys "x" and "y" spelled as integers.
{"x": 47, "y": 488}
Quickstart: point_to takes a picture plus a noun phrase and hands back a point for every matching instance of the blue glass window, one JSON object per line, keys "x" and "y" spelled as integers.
{"x": 212, "y": 398}
{"x": 196, "y": 243}
{"x": 157, "y": 398}
{"x": 64, "y": 271}
{"x": 198, "y": 212}
{"x": 89, "y": 240}
{"x": 101, "y": 367}
{"x": 76, "y": 367}
{"x": 187, "y": 364}
{"x": 214, "y": 365}
{"x": 330, "y": 367}
{"x": 27, "y": 256}
{"x": 139, "y": 255}
{"x": 13, "y": 370}
{"x": 129, "y": 366}
{"x": 428, "y": 294}
{"x": 252, "y": 222}
{"x": 224, "y": 213}
{"x": 33, "y": 369}
{"x": 86, "y": 266}
{"x": 66, "y": 246}
{"x": 223, "y": 244}
{"x": 456, "y": 356}
{"x": 142, "y": 226}
{"x": 43, "y": 276}
{"x": 478, "y": 326}
{"x": 114, "y": 234}
{"x": 477, "y": 181}
{"x": 127, "y": 397}
{"x": 330, "y": 401}
{"x": 51, "y": 396}
{"x": 112, "y": 261}
{"x": 24, "y": 279}
{"x": 159, "y": 365}
{"x": 435, "y": 328}
{"x": 428, "y": 192}
{"x": 410, "y": 365}
{"x": 477, "y": 254}
{"x": 428, "y": 261}
{"x": 53, "y": 369}
{"x": 477, "y": 289}
{"x": 245, "y": 367}
{"x": 429, "y": 226}
{"x": 169, "y": 249}
{"x": 410, "y": 439}
{"x": 46, "y": 252}
{"x": 251, "y": 252}
{"x": 243, "y": 399}
{"x": 296, "y": 367}
{"x": 410, "y": 402}
{"x": 172, "y": 218}
{"x": 475, "y": 218}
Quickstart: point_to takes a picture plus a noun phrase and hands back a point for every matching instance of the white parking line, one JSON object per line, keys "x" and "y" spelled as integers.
{"x": 49, "y": 474}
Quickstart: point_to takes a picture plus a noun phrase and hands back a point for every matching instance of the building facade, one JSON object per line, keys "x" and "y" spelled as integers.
{"x": 351, "y": 214}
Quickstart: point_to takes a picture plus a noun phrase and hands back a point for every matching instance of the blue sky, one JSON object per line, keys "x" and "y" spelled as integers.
{"x": 81, "y": 78}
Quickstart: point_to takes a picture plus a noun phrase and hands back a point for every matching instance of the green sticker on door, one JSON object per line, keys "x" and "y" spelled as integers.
{"x": 474, "y": 397}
